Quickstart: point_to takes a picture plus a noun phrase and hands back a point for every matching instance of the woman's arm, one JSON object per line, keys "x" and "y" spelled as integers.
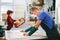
{"x": 11, "y": 20}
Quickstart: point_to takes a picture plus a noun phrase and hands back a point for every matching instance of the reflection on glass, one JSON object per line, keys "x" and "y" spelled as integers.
{"x": 6, "y": 0}
{"x": 59, "y": 17}
{"x": 5, "y": 8}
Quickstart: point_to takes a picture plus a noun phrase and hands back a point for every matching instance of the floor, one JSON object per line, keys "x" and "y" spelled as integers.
{"x": 2, "y": 38}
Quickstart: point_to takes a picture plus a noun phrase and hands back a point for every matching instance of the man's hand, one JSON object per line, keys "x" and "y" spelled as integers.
{"x": 22, "y": 31}
{"x": 25, "y": 34}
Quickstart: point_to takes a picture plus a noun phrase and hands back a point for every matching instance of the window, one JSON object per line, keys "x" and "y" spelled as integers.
{"x": 59, "y": 17}
{"x": 4, "y": 6}
{"x": 10, "y": 1}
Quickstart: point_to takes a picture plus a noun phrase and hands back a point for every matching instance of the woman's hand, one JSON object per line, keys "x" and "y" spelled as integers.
{"x": 17, "y": 23}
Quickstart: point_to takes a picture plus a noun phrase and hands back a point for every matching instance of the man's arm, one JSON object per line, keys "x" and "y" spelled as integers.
{"x": 37, "y": 23}
{"x": 34, "y": 28}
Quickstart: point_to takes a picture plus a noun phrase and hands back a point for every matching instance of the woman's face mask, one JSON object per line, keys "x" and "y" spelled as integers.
{"x": 11, "y": 15}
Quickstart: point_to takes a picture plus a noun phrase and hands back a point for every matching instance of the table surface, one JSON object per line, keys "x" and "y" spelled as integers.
{"x": 28, "y": 38}
{"x": 40, "y": 34}
{"x": 16, "y": 35}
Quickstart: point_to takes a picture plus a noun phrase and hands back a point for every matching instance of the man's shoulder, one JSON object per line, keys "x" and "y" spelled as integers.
{"x": 42, "y": 12}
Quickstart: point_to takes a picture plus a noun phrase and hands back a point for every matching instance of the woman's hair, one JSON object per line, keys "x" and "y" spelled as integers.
{"x": 9, "y": 12}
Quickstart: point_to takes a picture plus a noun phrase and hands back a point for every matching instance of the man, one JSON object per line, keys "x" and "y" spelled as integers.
{"x": 46, "y": 22}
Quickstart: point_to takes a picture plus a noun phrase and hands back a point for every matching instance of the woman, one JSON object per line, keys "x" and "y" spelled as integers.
{"x": 10, "y": 21}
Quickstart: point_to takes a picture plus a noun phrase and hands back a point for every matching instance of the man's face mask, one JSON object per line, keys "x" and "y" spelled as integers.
{"x": 34, "y": 15}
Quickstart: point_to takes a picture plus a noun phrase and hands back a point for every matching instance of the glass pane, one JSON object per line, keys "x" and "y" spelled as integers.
{"x": 59, "y": 17}
{"x": 6, "y": 0}
{"x": 5, "y": 8}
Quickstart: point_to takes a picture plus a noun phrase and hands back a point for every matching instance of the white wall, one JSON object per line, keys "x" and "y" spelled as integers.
{"x": 19, "y": 7}
{"x": 58, "y": 12}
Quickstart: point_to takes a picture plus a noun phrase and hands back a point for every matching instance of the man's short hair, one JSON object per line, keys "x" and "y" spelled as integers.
{"x": 33, "y": 8}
